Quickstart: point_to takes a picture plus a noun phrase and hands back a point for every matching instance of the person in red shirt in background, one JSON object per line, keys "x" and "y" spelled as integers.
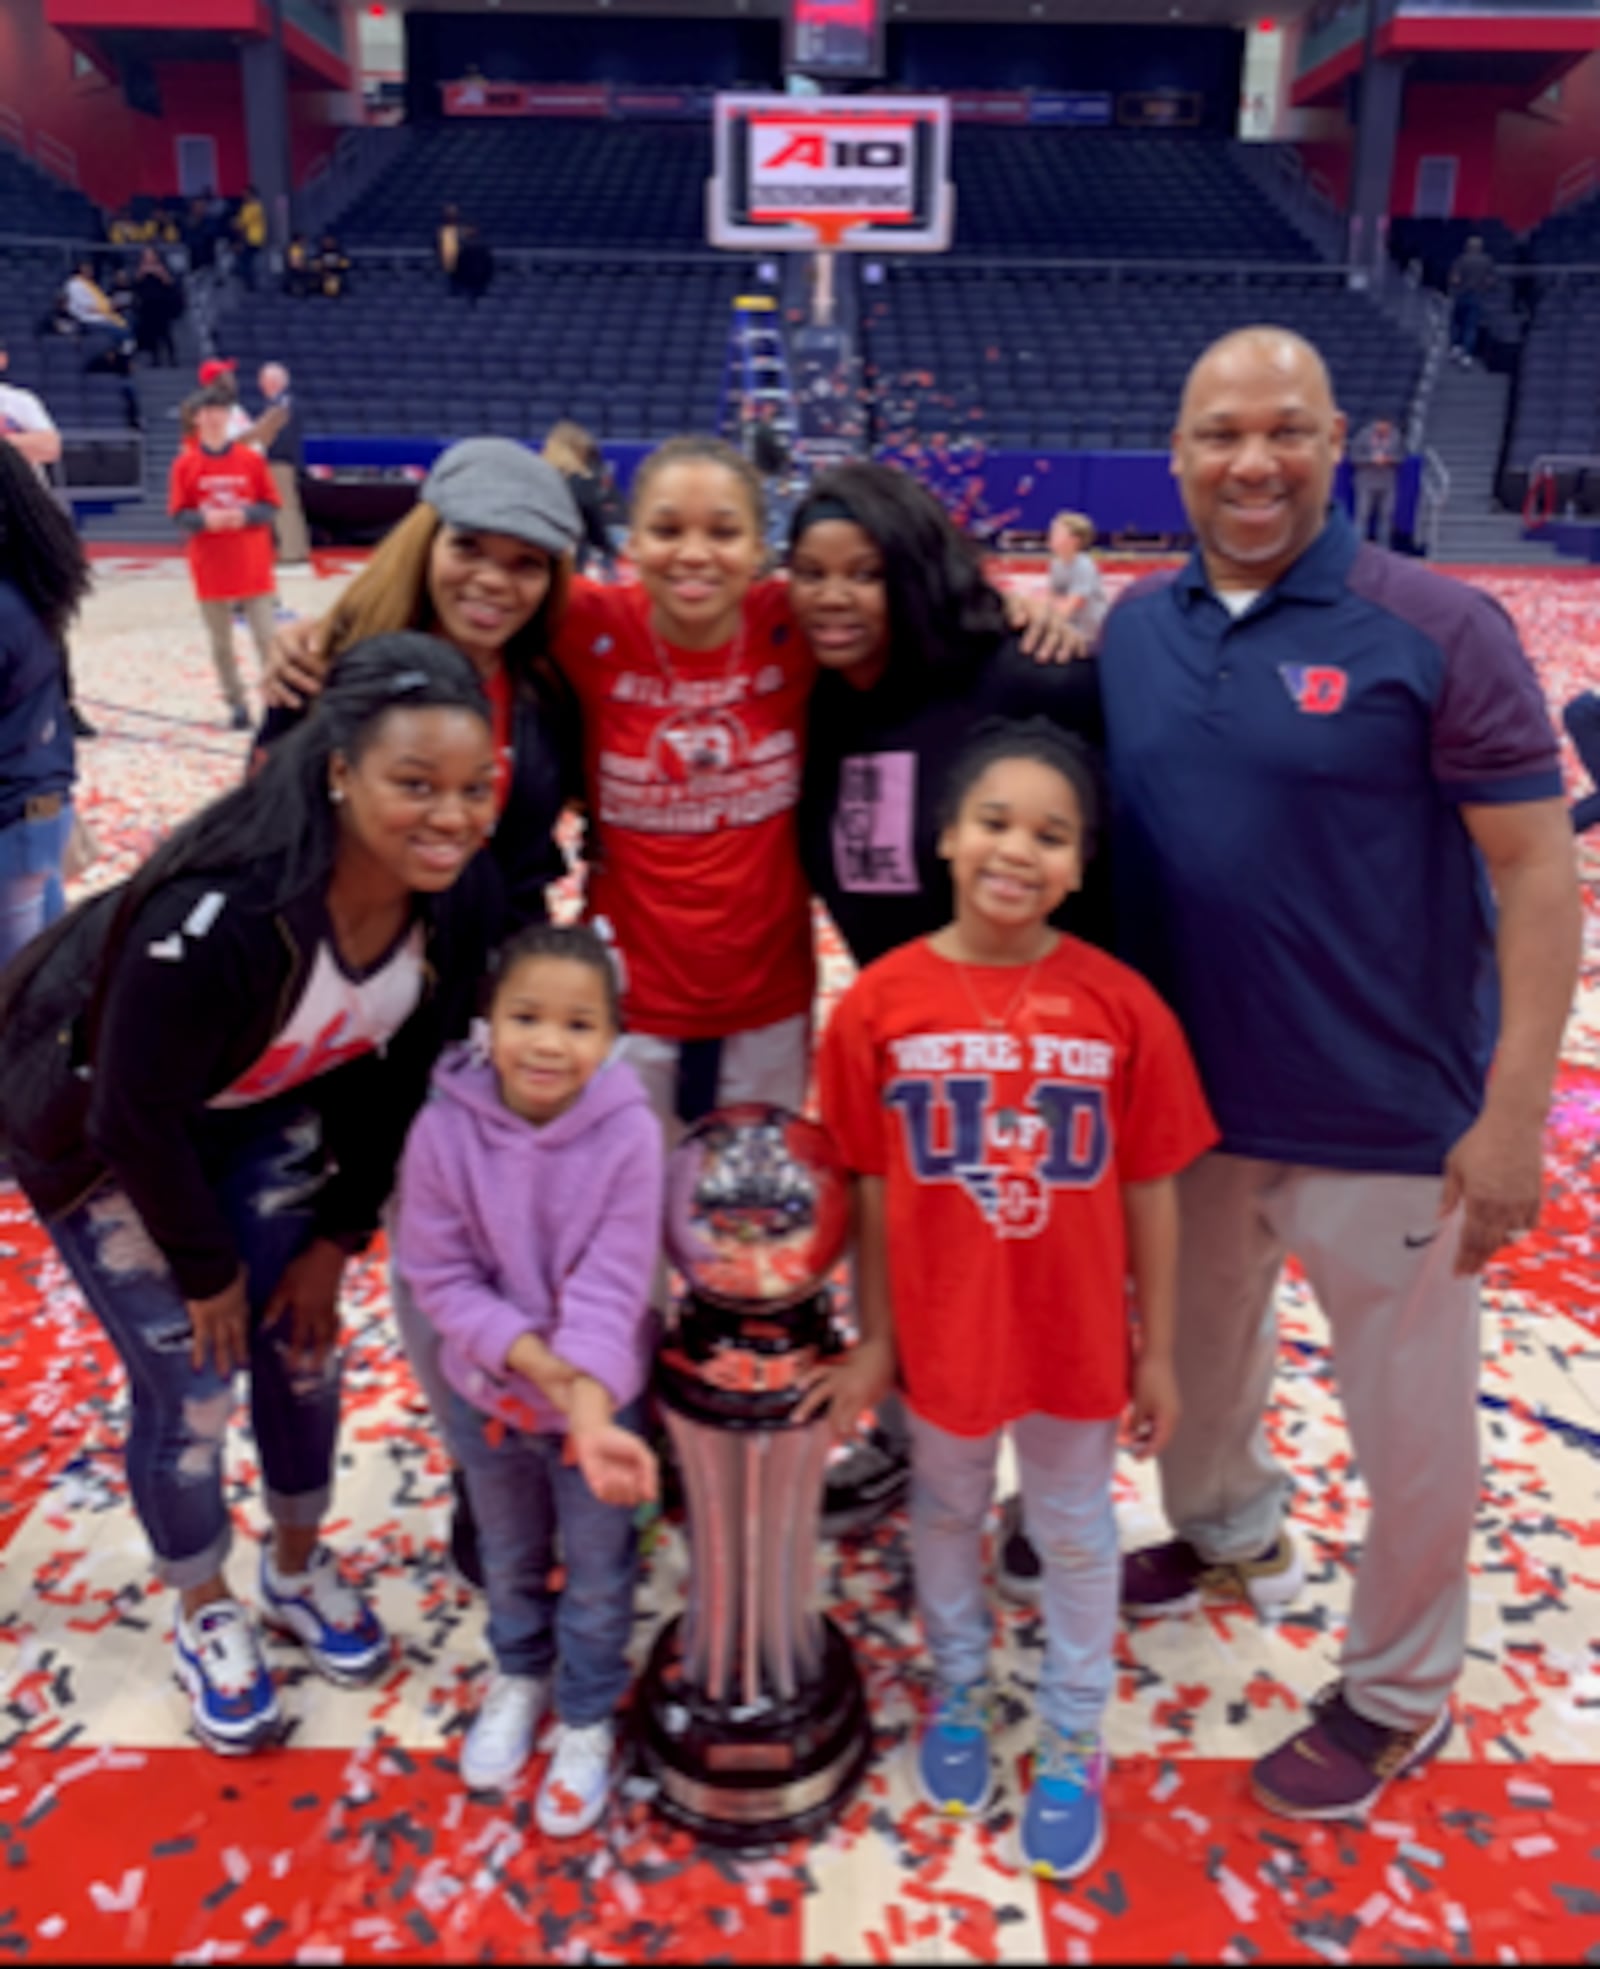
{"x": 1015, "y": 1105}
{"x": 222, "y": 496}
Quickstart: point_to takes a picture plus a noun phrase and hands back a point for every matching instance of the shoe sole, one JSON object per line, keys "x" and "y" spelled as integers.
{"x": 1020, "y": 1592}
{"x": 1043, "y": 1870}
{"x": 357, "y": 1675}
{"x": 264, "y": 1731}
{"x": 1359, "y": 1809}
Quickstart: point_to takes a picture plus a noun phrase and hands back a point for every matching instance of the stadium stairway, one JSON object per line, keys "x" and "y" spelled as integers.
{"x": 1466, "y": 422}
{"x": 145, "y": 520}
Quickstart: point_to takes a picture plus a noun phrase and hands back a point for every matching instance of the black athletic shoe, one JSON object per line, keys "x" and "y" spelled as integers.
{"x": 81, "y": 728}
{"x": 864, "y": 1484}
{"x": 465, "y": 1559}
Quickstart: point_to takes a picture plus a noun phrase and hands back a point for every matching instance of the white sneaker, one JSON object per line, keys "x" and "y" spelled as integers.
{"x": 500, "y": 1741}
{"x": 578, "y": 1780}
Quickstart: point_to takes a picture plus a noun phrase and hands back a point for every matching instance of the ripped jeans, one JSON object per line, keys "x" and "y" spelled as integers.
{"x": 267, "y": 1190}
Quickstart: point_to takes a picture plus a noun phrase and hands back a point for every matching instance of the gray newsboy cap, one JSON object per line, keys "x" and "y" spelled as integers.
{"x": 494, "y": 485}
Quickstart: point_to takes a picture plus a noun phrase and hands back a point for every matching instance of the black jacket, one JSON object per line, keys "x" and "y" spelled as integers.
{"x": 876, "y": 762}
{"x": 546, "y": 773}
{"x": 196, "y": 995}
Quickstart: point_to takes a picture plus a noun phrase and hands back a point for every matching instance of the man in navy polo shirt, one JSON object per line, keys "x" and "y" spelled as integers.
{"x": 1342, "y": 854}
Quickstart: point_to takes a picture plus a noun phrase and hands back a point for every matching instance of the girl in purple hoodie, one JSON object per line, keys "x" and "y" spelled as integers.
{"x": 528, "y": 1229}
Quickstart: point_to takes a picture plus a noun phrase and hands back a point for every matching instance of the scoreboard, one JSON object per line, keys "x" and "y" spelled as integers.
{"x": 834, "y": 39}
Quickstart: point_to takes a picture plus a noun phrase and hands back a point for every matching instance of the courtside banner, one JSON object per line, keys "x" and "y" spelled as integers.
{"x": 864, "y": 172}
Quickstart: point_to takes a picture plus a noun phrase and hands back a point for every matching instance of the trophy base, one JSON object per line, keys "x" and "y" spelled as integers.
{"x": 752, "y": 1783}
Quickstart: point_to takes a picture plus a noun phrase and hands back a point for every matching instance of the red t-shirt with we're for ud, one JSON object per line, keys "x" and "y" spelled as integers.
{"x": 692, "y": 761}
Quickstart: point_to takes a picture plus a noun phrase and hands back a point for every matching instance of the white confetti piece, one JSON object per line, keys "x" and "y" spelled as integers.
{"x": 124, "y": 1898}
{"x": 1240, "y": 1898}
{"x": 1165, "y": 1786}
{"x": 1533, "y": 1846}
{"x": 1072, "y": 1916}
{"x": 1524, "y": 1791}
{"x": 1373, "y": 1909}
{"x": 51, "y": 1926}
{"x": 1422, "y": 1855}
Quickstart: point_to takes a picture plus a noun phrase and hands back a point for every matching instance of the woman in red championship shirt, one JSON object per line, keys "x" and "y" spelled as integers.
{"x": 1015, "y": 1105}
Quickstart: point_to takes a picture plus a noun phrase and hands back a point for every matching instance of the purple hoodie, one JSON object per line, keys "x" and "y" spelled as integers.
{"x": 505, "y": 1228}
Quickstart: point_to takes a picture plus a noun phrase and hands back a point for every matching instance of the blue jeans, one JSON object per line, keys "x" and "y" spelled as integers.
{"x": 31, "y": 897}
{"x": 1465, "y": 319}
{"x": 1065, "y": 1470}
{"x": 523, "y": 1496}
{"x": 180, "y": 1413}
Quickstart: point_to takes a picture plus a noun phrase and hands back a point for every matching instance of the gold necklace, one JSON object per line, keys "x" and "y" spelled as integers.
{"x": 1002, "y": 1022}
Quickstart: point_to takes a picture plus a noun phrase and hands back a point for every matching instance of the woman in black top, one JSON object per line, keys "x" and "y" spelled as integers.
{"x": 206, "y": 1075}
{"x": 915, "y": 648}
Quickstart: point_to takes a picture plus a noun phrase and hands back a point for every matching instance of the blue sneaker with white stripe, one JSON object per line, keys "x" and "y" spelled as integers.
{"x": 1064, "y": 1823}
{"x": 330, "y": 1620}
{"x": 230, "y": 1689}
{"x": 954, "y": 1768}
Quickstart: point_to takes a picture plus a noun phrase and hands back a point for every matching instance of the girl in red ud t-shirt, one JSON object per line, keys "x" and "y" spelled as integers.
{"x": 1015, "y": 1105}
{"x": 693, "y": 686}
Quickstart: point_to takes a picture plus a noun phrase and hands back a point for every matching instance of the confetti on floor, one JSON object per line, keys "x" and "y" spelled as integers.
{"x": 123, "y": 1841}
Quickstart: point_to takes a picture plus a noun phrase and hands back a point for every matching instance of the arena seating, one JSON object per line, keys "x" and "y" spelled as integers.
{"x": 537, "y": 183}
{"x": 1114, "y": 195}
{"x": 1571, "y": 237}
{"x": 1076, "y": 362}
{"x": 1558, "y": 392}
{"x": 630, "y": 351}
{"x": 37, "y": 206}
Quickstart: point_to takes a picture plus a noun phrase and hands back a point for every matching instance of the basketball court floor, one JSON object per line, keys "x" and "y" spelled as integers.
{"x": 121, "y": 1840}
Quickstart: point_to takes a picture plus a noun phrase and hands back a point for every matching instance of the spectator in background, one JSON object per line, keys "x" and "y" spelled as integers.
{"x": 1076, "y": 590}
{"x": 27, "y": 428}
{"x": 299, "y": 277}
{"x": 156, "y": 297}
{"x": 92, "y": 315}
{"x": 221, "y": 372}
{"x": 576, "y": 456}
{"x": 474, "y": 265}
{"x": 249, "y": 235}
{"x": 200, "y": 232}
{"x": 1375, "y": 462}
{"x": 285, "y": 462}
{"x": 25, "y": 425}
{"x": 447, "y": 244}
{"x": 332, "y": 264}
{"x": 1582, "y": 720}
{"x": 1471, "y": 278}
{"x": 44, "y": 575}
{"x": 222, "y": 497}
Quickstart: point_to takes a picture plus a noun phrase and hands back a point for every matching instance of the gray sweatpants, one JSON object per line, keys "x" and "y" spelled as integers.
{"x": 1406, "y": 1352}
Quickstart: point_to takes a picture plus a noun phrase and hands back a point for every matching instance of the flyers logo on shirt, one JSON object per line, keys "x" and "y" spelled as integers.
{"x": 1008, "y": 1156}
{"x": 1319, "y": 689}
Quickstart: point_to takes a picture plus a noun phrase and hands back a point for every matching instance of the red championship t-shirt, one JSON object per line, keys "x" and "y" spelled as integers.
{"x": 232, "y": 566}
{"x": 1005, "y": 1112}
{"x": 692, "y": 762}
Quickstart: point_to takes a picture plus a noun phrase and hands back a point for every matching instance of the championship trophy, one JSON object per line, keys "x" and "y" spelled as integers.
{"x": 751, "y": 1715}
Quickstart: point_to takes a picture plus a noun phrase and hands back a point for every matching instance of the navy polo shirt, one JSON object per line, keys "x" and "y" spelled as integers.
{"x": 1291, "y": 867}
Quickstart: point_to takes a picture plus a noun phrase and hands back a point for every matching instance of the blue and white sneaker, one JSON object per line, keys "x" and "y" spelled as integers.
{"x": 343, "y": 1636}
{"x": 1064, "y": 1823}
{"x": 954, "y": 1768}
{"x": 230, "y": 1688}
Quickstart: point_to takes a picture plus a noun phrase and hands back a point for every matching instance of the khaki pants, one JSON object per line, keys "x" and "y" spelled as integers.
{"x": 1406, "y": 1352}
{"x": 218, "y": 618}
{"x": 289, "y": 524}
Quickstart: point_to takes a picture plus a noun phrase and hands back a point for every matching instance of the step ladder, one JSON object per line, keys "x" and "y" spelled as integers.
{"x": 756, "y": 371}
